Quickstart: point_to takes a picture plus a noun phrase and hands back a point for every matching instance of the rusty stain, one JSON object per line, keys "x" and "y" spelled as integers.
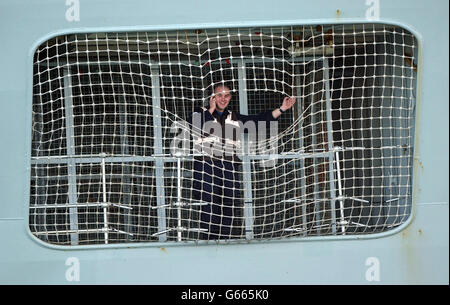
{"x": 409, "y": 242}
{"x": 412, "y": 239}
{"x": 416, "y": 186}
{"x": 409, "y": 58}
{"x": 163, "y": 250}
{"x": 338, "y": 13}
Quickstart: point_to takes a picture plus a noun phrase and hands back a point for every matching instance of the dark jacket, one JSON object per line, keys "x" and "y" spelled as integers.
{"x": 219, "y": 136}
{"x": 216, "y": 174}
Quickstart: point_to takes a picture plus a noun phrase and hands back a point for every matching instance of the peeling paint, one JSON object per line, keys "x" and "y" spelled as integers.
{"x": 412, "y": 238}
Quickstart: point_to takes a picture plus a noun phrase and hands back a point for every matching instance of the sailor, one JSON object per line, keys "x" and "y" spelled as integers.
{"x": 216, "y": 135}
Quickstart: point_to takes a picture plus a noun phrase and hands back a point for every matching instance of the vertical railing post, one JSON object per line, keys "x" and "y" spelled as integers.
{"x": 246, "y": 162}
{"x": 71, "y": 165}
{"x": 105, "y": 199}
{"x": 300, "y": 103}
{"x": 158, "y": 150}
{"x": 126, "y": 183}
{"x": 314, "y": 147}
{"x": 330, "y": 144}
{"x": 179, "y": 202}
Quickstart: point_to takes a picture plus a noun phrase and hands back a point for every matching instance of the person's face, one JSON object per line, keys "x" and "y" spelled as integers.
{"x": 222, "y": 97}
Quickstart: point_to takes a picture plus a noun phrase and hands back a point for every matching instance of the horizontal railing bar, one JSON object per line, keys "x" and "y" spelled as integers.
{"x": 200, "y": 64}
{"x": 174, "y": 158}
{"x": 79, "y": 205}
{"x": 179, "y": 204}
{"x": 180, "y": 229}
{"x": 101, "y": 230}
{"x": 85, "y": 231}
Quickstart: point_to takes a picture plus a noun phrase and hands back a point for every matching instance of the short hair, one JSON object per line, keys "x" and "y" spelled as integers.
{"x": 222, "y": 83}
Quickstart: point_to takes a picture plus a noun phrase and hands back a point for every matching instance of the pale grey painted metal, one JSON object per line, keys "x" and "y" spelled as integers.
{"x": 105, "y": 201}
{"x": 126, "y": 185}
{"x": 326, "y": 78}
{"x": 246, "y": 161}
{"x": 300, "y": 106}
{"x": 405, "y": 255}
{"x": 158, "y": 146}
{"x": 311, "y": 78}
{"x": 70, "y": 146}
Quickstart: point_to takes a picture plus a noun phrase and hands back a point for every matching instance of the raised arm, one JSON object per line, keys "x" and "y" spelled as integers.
{"x": 212, "y": 104}
{"x": 288, "y": 102}
{"x": 269, "y": 115}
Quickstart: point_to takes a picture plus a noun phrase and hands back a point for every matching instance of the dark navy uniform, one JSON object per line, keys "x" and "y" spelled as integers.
{"x": 216, "y": 174}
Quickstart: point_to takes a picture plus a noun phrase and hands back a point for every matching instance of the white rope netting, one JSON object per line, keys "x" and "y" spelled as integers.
{"x": 114, "y": 157}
